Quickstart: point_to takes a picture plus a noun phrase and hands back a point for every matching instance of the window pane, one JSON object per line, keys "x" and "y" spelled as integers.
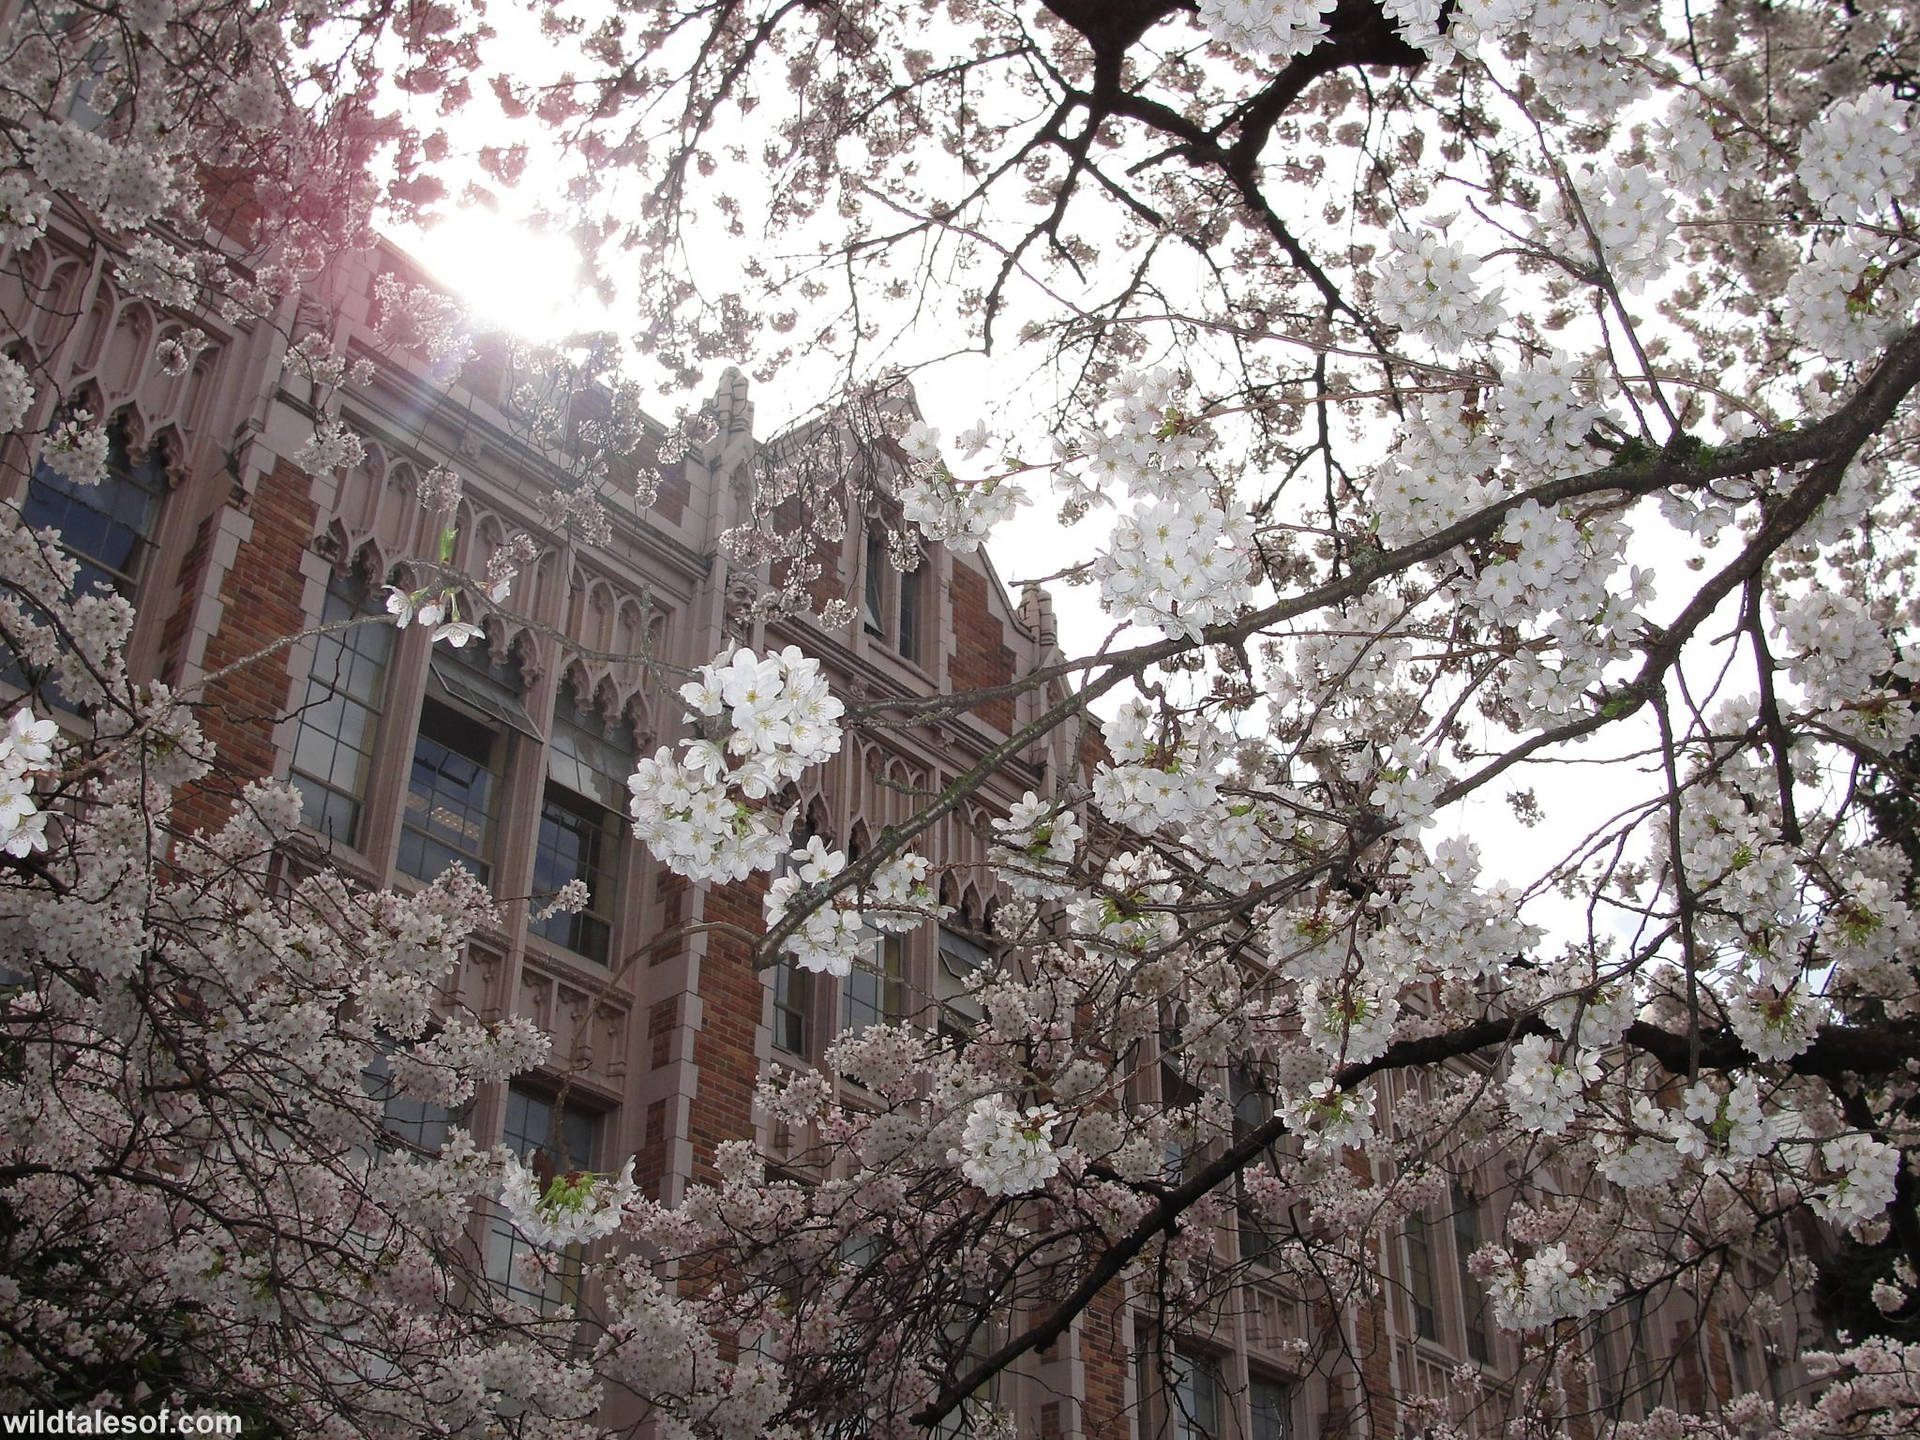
{"x": 872, "y": 993}
{"x": 960, "y": 958}
{"x": 1272, "y": 1404}
{"x": 553, "y": 1145}
{"x": 107, "y": 527}
{"x": 415, "y": 1122}
{"x": 792, "y": 1006}
{"x": 910, "y": 611}
{"x": 339, "y": 719}
{"x": 1419, "y": 1237}
{"x": 1473, "y": 1299}
{"x": 875, "y": 613}
{"x": 1196, "y": 1397}
{"x": 449, "y": 795}
{"x": 576, "y": 842}
{"x": 590, "y": 758}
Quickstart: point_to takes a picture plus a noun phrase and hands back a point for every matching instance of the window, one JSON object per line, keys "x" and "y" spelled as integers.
{"x": 793, "y": 986}
{"x": 792, "y": 1006}
{"x": 1741, "y": 1359}
{"x": 873, "y": 610}
{"x": 451, "y": 794}
{"x": 892, "y": 600}
{"x": 874, "y": 992}
{"x": 1252, "y": 1108}
{"x": 333, "y": 748}
{"x": 960, "y": 960}
{"x": 1420, "y": 1289}
{"x": 1627, "y": 1390}
{"x": 1473, "y": 1299}
{"x": 418, "y": 1124}
{"x": 459, "y": 762}
{"x": 110, "y": 527}
{"x": 553, "y": 1139}
{"x": 587, "y": 768}
{"x": 1176, "y": 1093}
{"x": 1194, "y": 1403}
{"x": 910, "y": 583}
{"x": 971, "y": 1336}
{"x": 1272, "y": 1405}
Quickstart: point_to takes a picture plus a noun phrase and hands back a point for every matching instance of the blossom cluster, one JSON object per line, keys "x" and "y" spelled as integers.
{"x": 572, "y": 1208}
{"x": 1279, "y": 28}
{"x": 438, "y": 611}
{"x": 1546, "y": 1287}
{"x": 1546, "y": 1094}
{"x": 1153, "y": 781}
{"x": 1860, "y": 157}
{"x": 703, "y": 813}
{"x": 1035, "y": 846}
{"x": 1177, "y": 565}
{"x": 26, "y": 751}
{"x": 1005, "y": 1151}
{"x": 956, "y": 514}
{"x": 1427, "y": 287}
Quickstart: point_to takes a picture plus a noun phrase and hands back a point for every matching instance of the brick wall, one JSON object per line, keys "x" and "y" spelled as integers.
{"x": 731, "y": 997}
{"x": 261, "y": 600}
{"x": 186, "y": 590}
{"x": 1104, "y": 1367}
{"x": 981, "y": 656}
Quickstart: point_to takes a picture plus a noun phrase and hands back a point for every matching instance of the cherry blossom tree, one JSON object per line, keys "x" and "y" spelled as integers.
{"x": 1465, "y": 397}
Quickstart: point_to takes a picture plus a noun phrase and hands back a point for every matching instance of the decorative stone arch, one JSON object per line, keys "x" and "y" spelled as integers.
{"x": 636, "y": 711}
{"x": 972, "y": 902}
{"x": 488, "y": 534}
{"x": 591, "y": 621}
{"x": 172, "y": 445}
{"x": 86, "y": 394}
{"x": 364, "y": 505}
{"x": 365, "y": 560}
{"x": 815, "y": 811}
{"x": 859, "y": 839}
{"x": 96, "y": 328}
{"x": 639, "y": 628}
{"x": 127, "y": 355}
{"x": 53, "y": 281}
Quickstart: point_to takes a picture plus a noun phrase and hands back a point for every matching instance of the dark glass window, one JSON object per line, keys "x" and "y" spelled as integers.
{"x": 910, "y": 587}
{"x": 1272, "y": 1405}
{"x": 1197, "y": 1395}
{"x": 874, "y": 992}
{"x": 416, "y": 1123}
{"x": 552, "y": 1139}
{"x": 450, "y": 795}
{"x": 1473, "y": 1299}
{"x": 1741, "y": 1358}
{"x": 792, "y": 1006}
{"x": 1420, "y": 1290}
{"x": 575, "y": 843}
{"x": 960, "y": 959}
{"x": 1252, "y": 1108}
{"x": 110, "y": 527}
{"x": 333, "y": 747}
{"x": 579, "y": 839}
{"x": 874, "y": 611}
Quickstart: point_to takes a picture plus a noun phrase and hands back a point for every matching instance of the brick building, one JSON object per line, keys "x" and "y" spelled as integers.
{"x": 509, "y": 758}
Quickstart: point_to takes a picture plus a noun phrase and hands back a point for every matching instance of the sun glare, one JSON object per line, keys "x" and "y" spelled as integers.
{"x": 521, "y": 280}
